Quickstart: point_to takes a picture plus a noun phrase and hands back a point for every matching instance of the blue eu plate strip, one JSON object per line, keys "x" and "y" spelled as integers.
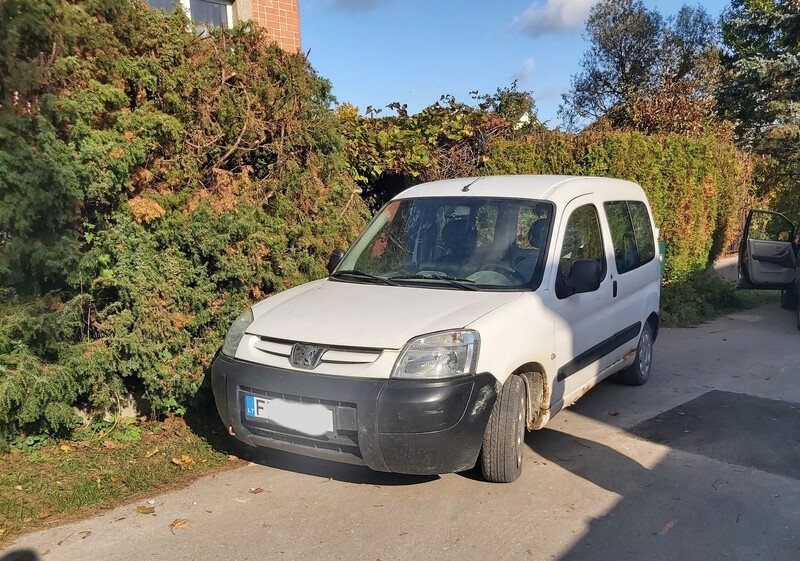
{"x": 249, "y": 406}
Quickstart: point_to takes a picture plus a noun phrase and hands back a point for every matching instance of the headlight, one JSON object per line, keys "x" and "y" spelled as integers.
{"x": 236, "y": 332}
{"x": 438, "y": 355}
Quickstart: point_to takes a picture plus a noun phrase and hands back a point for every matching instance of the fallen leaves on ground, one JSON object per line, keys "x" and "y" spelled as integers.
{"x": 151, "y": 453}
{"x": 178, "y": 523}
{"x": 232, "y": 458}
{"x": 256, "y": 490}
{"x": 667, "y": 527}
{"x": 145, "y": 509}
{"x": 85, "y": 534}
{"x": 2, "y": 531}
{"x": 183, "y": 461}
{"x": 66, "y": 448}
{"x": 111, "y": 445}
{"x": 43, "y": 514}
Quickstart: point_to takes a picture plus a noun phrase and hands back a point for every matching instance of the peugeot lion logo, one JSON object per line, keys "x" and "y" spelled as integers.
{"x": 306, "y": 356}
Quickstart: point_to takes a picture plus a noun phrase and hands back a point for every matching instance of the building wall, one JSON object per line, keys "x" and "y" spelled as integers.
{"x": 280, "y": 18}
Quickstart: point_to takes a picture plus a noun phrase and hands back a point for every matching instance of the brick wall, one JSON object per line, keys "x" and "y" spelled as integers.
{"x": 281, "y": 19}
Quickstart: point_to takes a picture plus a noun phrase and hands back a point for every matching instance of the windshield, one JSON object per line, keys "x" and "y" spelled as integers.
{"x": 452, "y": 242}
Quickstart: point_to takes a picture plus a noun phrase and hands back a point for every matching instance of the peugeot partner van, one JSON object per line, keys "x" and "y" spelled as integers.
{"x": 467, "y": 312}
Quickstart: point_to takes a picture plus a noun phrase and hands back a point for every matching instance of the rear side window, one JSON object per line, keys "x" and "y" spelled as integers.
{"x": 631, "y": 234}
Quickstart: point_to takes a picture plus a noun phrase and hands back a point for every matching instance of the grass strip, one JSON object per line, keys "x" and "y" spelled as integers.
{"x": 51, "y": 481}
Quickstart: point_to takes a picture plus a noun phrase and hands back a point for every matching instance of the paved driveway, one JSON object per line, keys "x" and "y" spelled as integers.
{"x": 700, "y": 463}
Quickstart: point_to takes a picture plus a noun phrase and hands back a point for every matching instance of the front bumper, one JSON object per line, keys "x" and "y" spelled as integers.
{"x": 403, "y": 426}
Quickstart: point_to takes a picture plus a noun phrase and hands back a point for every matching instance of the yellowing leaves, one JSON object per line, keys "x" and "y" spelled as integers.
{"x": 145, "y": 210}
{"x": 66, "y": 448}
{"x": 152, "y": 452}
{"x": 184, "y": 461}
{"x": 145, "y": 509}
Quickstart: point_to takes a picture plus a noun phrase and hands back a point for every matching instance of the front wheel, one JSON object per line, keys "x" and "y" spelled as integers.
{"x": 638, "y": 372}
{"x": 504, "y": 440}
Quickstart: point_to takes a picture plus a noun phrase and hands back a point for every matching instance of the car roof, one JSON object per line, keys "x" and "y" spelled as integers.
{"x": 557, "y": 188}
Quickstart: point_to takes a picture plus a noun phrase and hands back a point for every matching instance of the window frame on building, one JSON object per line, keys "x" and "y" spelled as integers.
{"x": 187, "y": 8}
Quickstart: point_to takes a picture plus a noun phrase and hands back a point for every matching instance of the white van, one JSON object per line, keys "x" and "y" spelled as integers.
{"x": 467, "y": 311}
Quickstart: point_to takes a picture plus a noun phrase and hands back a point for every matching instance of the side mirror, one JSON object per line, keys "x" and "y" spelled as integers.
{"x": 584, "y": 276}
{"x": 335, "y": 259}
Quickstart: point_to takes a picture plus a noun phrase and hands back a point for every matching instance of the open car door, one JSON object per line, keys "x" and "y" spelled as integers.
{"x": 767, "y": 254}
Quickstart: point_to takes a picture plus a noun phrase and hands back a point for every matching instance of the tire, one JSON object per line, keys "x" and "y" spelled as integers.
{"x": 789, "y": 299}
{"x": 638, "y": 372}
{"x": 504, "y": 439}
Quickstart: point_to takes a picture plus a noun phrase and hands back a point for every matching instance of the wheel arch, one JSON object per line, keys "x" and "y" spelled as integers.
{"x": 538, "y": 392}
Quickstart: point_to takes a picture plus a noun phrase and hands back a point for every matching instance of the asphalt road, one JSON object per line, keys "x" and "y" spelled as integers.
{"x": 701, "y": 463}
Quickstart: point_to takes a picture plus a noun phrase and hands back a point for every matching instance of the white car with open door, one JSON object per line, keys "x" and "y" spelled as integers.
{"x": 768, "y": 256}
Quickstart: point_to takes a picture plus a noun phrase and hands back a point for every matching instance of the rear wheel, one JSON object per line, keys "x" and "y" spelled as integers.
{"x": 638, "y": 372}
{"x": 504, "y": 440}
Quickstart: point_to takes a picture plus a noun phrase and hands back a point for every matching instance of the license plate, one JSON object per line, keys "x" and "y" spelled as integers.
{"x": 309, "y": 418}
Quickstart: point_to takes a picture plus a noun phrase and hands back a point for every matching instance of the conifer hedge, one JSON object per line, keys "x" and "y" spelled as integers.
{"x": 153, "y": 182}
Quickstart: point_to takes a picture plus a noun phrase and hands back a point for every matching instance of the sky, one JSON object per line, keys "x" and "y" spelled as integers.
{"x": 376, "y": 52}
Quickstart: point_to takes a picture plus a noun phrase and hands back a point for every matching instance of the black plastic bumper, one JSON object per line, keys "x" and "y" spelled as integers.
{"x": 403, "y": 426}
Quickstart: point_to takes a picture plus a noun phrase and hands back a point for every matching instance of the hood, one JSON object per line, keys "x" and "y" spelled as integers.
{"x": 348, "y": 314}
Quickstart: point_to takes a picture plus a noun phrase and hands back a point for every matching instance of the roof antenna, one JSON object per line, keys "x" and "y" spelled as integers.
{"x": 466, "y": 187}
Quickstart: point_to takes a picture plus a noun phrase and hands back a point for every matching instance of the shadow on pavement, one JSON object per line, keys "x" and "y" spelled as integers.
{"x": 686, "y": 507}
{"x": 333, "y": 470}
{"x": 21, "y": 555}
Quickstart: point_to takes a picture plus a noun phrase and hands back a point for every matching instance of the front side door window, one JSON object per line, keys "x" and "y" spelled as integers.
{"x": 583, "y": 239}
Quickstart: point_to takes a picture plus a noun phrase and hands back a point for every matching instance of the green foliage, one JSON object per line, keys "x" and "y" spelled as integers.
{"x": 762, "y": 87}
{"x": 154, "y": 183}
{"x": 446, "y": 139}
{"x": 116, "y": 429}
{"x": 704, "y": 296}
{"x": 30, "y": 443}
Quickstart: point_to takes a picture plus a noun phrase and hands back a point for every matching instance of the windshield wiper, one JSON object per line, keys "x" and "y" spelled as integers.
{"x": 463, "y": 284}
{"x": 361, "y": 275}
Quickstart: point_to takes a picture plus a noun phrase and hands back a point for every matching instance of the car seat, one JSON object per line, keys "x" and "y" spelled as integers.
{"x": 460, "y": 239}
{"x": 537, "y": 237}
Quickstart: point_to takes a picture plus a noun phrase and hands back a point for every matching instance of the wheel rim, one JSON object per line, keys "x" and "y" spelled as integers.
{"x": 645, "y": 352}
{"x": 520, "y": 429}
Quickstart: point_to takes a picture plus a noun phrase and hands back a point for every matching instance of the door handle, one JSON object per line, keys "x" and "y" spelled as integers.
{"x": 614, "y": 285}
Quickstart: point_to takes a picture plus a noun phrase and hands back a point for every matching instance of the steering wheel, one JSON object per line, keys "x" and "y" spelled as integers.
{"x": 508, "y": 272}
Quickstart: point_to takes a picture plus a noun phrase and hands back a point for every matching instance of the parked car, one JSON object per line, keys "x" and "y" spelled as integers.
{"x": 768, "y": 256}
{"x": 468, "y": 311}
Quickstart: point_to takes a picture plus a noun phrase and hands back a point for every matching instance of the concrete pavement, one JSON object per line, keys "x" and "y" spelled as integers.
{"x": 592, "y": 487}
